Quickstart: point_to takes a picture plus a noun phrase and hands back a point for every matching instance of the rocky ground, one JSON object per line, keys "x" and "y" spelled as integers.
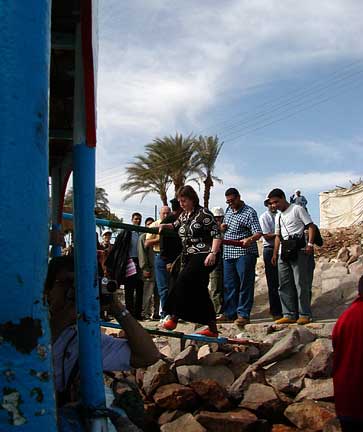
{"x": 279, "y": 381}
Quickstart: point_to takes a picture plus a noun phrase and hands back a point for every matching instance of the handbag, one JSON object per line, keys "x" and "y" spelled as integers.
{"x": 289, "y": 249}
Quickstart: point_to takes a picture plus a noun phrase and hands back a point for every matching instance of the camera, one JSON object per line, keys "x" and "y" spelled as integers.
{"x": 107, "y": 288}
{"x": 108, "y": 285}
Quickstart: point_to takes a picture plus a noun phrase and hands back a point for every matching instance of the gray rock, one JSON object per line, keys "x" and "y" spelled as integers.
{"x": 286, "y": 346}
{"x": 263, "y": 400}
{"x": 321, "y": 330}
{"x": 157, "y": 375}
{"x": 238, "y": 362}
{"x": 221, "y": 374}
{"x": 287, "y": 375}
{"x": 258, "y": 331}
{"x": 185, "y": 423}
{"x": 214, "y": 359}
{"x": 321, "y": 364}
{"x": 249, "y": 376}
{"x": 188, "y": 356}
{"x": 319, "y": 389}
{"x": 169, "y": 416}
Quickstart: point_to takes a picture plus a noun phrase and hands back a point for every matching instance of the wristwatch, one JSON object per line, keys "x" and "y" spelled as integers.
{"x": 311, "y": 244}
{"x": 122, "y": 313}
{"x": 213, "y": 252}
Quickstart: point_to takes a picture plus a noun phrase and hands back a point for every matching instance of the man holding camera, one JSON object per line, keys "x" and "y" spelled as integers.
{"x": 138, "y": 350}
{"x": 294, "y": 255}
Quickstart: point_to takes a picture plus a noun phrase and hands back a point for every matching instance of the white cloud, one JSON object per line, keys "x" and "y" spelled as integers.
{"x": 310, "y": 181}
{"x": 163, "y": 65}
{"x": 179, "y": 62}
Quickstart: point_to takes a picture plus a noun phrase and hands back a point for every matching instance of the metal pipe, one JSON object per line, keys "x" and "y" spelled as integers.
{"x": 174, "y": 334}
{"x": 121, "y": 225}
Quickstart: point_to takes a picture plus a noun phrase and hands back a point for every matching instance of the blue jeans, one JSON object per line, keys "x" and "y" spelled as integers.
{"x": 161, "y": 276}
{"x": 239, "y": 285}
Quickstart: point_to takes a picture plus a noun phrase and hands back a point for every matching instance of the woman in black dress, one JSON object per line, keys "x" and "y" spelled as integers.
{"x": 189, "y": 298}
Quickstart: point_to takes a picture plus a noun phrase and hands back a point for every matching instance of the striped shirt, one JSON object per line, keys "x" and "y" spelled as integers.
{"x": 241, "y": 224}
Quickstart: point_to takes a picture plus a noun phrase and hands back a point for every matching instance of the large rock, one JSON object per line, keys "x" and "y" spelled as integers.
{"x": 221, "y": 374}
{"x": 343, "y": 254}
{"x": 356, "y": 268}
{"x": 258, "y": 331}
{"x": 205, "y": 350}
{"x": 157, "y": 375}
{"x": 310, "y": 414}
{"x": 287, "y": 375}
{"x": 213, "y": 394}
{"x": 175, "y": 396}
{"x": 238, "y": 362}
{"x": 321, "y": 330}
{"x": 319, "y": 389}
{"x": 276, "y": 336}
{"x": 189, "y": 356}
{"x": 263, "y": 400}
{"x": 169, "y": 416}
{"x": 249, "y": 376}
{"x": 231, "y": 421}
{"x": 321, "y": 364}
{"x": 286, "y": 346}
{"x": 185, "y": 423}
{"x": 214, "y": 359}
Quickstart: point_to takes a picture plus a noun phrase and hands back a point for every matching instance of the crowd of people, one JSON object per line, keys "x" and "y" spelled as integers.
{"x": 199, "y": 264}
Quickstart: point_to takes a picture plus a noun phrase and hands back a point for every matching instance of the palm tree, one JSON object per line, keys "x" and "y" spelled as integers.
{"x": 144, "y": 177}
{"x": 101, "y": 201}
{"x": 208, "y": 149}
{"x": 176, "y": 157}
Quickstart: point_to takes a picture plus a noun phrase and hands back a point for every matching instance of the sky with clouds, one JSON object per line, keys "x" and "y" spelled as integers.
{"x": 279, "y": 82}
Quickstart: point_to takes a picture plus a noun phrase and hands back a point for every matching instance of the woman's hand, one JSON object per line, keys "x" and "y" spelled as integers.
{"x": 210, "y": 260}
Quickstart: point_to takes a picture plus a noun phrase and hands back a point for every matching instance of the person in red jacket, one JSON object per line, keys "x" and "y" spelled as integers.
{"x": 348, "y": 365}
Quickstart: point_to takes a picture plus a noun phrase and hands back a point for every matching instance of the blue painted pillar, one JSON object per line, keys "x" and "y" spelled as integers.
{"x": 26, "y": 386}
{"x": 92, "y": 388}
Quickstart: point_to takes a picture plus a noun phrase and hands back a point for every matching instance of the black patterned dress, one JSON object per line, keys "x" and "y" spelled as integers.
{"x": 188, "y": 298}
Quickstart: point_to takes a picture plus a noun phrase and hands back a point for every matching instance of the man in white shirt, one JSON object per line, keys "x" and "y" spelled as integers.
{"x": 267, "y": 222}
{"x": 295, "y": 263}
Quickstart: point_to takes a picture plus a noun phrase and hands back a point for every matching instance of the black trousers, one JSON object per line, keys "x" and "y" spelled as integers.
{"x": 188, "y": 297}
{"x": 134, "y": 290}
{"x": 272, "y": 278}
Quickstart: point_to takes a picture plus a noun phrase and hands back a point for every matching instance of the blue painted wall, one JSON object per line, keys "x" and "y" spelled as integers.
{"x": 26, "y": 385}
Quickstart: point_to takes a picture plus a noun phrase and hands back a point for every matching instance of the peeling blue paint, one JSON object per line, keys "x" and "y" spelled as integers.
{"x": 27, "y": 401}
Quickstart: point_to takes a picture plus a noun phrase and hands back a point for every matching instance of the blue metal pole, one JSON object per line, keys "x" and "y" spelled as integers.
{"x": 27, "y": 399}
{"x": 87, "y": 293}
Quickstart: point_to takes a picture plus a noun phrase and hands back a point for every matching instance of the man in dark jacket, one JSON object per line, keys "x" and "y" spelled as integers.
{"x": 124, "y": 255}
